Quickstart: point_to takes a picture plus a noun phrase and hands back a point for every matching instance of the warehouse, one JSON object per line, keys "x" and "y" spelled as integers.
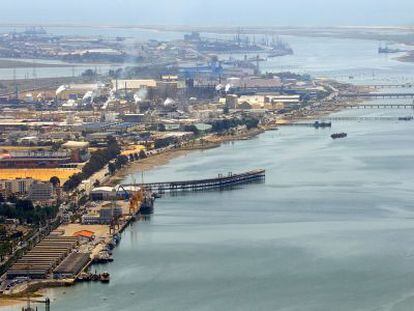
{"x": 72, "y": 265}
{"x": 43, "y": 258}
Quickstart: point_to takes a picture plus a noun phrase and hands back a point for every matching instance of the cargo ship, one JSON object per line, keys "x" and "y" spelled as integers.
{"x": 388, "y": 50}
{"x": 147, "y": 205}
{"x": 280, "y": 48}
{"x": 339, "y": 135}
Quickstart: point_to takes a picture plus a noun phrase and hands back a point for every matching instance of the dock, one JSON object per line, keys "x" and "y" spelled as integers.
{"x": 220, "y": 182}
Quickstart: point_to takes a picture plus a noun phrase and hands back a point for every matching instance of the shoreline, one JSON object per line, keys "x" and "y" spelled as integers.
{"x": 212, "y": 141}
{"x": 215, "y": 140}
{"x": 163, "y": 158}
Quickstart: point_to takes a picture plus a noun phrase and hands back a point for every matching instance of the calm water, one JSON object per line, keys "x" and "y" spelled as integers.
{"x": 322, "y": 57}
{"x": 332, "y": 228}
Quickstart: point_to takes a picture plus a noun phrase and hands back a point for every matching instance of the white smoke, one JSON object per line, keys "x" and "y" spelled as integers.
{"x": 141, "y": 95}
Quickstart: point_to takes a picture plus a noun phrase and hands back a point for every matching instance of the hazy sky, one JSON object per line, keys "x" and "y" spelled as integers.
{"x": 211, "y": 12}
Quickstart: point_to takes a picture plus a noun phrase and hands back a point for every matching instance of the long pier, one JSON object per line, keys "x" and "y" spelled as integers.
{"x": 350, "y": 118}
{"x": 389, "y": 86}
{"x": 220, "y": 182}
{"x": 377, "y": 95}
{"x": 379, "y": 106}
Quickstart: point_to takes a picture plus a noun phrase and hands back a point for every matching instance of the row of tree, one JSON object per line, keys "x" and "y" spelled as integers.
{"x": 98, "y": 160}
{"x": 116, "y": 165}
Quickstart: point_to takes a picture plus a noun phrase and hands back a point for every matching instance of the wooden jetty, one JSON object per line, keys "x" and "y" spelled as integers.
{"x": 220, "y": 182}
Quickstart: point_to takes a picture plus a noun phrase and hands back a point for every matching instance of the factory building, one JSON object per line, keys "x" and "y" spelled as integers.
{"x": 78, "y": 91}
{"x": 33, "y": 158}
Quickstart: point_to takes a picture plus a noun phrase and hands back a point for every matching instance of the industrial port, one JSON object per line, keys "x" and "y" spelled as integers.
{"x": 67, "y": 143}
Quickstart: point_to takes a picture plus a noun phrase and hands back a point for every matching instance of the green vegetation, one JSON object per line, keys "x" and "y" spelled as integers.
{"x": 165, "y": 142}
{"x": 6, "y": 246}
{"x": 120, "y": 162}
{"x": 98, "y": 160}
{"x": 223, "y": 125}
{"x": 192, "y": 128}
{"x": 26, "y": 212}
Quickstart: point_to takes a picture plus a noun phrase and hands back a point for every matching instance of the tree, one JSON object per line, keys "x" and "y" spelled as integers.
{"x": 142, "y": 154}
{"x": 111, "y": 168}
{"x": 89, "y": 73}
{"x": 5, "y": 249}
{"x": 56, "y": 146}
{"x": 192, "y": 128}
{"x": 55, "y": 181}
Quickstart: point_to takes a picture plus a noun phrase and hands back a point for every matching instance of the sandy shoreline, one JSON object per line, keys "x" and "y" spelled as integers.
{"x": 214, "y": 139}
{"x": 146, "y": 165}
{"x": 165, "y": 157}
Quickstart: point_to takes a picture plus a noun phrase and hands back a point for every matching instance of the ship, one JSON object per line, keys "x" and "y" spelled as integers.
{"x": 408, "y": 118}
{"x": 105, "y": 277}
{"x": 103, "y": 257}
{"x": 280, "y": 48}
{"x": 339, "y": 135}
{"x": 147, "y": 205}
{"x": 388, "y": 50}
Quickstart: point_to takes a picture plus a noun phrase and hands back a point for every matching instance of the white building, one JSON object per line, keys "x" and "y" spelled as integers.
{"x": 18, "y": 186}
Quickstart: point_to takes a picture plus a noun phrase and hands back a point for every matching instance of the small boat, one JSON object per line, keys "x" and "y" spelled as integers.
{"x": 408, "y": 118}
{"x": 157, "y": 195}
{"x": 388, "y": 50}
{"x": 105, "y": 277}
{"x": 339, "y": 135}
{"x": 103, "y": 257}
{"x": 116, "y": 239}
{"x": 84, "y": 277}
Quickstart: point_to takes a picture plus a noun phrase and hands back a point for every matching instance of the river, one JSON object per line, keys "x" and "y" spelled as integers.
{"x": 332, "y": 228}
